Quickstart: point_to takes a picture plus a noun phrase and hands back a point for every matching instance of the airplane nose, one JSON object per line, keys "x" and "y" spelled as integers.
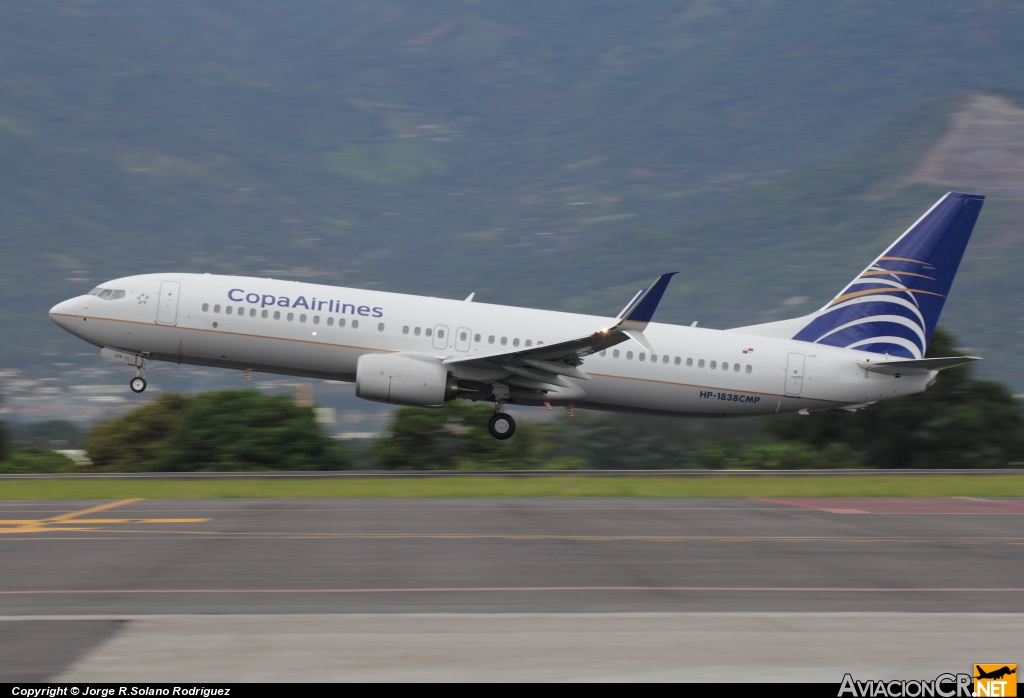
{"x": 65, "y": 311}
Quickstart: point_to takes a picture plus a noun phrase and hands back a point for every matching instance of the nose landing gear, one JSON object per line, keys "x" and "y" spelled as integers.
{"x": 138, "y": 383}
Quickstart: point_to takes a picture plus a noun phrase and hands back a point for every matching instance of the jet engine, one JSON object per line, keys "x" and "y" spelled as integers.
{"x": 404, "y": 380}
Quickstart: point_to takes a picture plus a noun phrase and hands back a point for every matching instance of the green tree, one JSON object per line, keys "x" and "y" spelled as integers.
{"x": 243, "y": 430}
{"x": 456, "y": 437}
{"x": 648, "y": 442}
{"x": 5, "y": 443}
{"x": 776, "y": 456}
{"x": 220, "y": 431}
{"x": 35, "y": 460}
{"x": 132, "y": 442}
{"x": 960, "y": 422}
{"x": 5, "y": 439}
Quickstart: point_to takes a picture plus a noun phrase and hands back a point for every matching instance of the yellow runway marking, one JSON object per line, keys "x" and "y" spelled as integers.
{"x": 91, "y": 510}
{"x": 73, "y": 521}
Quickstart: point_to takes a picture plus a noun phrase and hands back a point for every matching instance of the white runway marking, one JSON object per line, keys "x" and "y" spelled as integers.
{"x": 745, "y": 647}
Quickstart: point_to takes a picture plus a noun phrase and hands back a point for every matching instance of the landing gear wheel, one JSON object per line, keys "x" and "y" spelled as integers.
{"x": 138, "y": 384}
{"x": 501, "y": 426}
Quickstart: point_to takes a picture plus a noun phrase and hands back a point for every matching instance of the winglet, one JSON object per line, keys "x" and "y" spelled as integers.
{"x": 640, "y": 310}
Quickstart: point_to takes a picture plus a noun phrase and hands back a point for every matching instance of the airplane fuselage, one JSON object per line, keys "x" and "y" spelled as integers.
{"x": 319, "y": 331}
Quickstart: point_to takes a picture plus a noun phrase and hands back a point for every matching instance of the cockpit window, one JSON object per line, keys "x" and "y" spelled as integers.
{"x": 107, "y": 294}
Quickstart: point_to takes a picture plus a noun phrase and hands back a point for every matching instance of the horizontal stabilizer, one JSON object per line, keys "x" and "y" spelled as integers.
{"x": 912, "y": 366}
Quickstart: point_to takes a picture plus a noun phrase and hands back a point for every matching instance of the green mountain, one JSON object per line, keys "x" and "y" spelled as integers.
{"x": 546, "y": 154}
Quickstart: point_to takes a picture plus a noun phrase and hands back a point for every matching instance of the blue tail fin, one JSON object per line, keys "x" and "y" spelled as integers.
{"x": 892, "y": 307}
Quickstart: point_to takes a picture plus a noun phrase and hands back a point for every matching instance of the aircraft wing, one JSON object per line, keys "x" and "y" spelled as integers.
{"x": 543, "y": 367}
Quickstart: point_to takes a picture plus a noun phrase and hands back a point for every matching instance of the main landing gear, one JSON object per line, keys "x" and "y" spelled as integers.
{"x": 501, "y": 426}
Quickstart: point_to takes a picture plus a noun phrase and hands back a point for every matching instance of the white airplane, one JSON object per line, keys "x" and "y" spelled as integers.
{"x": 866, "y": 344}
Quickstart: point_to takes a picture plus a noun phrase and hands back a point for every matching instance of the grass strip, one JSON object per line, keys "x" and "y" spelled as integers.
{"x": 568, "y": 486}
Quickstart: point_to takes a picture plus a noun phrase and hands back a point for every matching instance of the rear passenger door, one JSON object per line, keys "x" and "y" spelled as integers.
{"x": 795, "y": 374}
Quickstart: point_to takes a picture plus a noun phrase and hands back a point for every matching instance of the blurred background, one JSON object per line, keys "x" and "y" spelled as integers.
{"x": 538, "y": 154}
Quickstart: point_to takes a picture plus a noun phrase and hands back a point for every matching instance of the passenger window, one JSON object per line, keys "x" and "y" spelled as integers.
{"x": 615, "y": 353}
{"x": 664, "y": 359}
{"x": 515, "y": 342}
{"x": 316, "y": 319}
{"x": 216, "y": 308}
{"x": 463, "y": 336}
{"x": 227, "y": 309}
{"x": 642, "y": 356}
{"x": 405, "y": 329}
{"x": 735, "y": 368}
{"x": 678, "y": 361}
{"x": 302, "y": 318}
{"x": 206, "y": 307}
{"x": 440, "y": 334}
{"x": 252, "y": 312}
{"x": 490, "y": 339}
{"x": 713, "y": 365}
{"x": 504, "y": 341}
{"x": 689, "y": 362}
{"x": 277, "y": 314}
{"x": 629, "y": 355}
{"x": 380, "y": 326}
{"x": 749, "y": 368}
{"x": 341, "y": 322}
{"x": 725, "y": 365}
{"x": 330, "y": 322}
{"x": 264, "y": 314}
{"x": 476, "y": 338}
{"x": 428, "y": 332}
{"x": 290, "y": 317}
{"x": 416, "y": 332}
{"x": 604, "y": 352}
{"x": 654, "y": 359}
{"x": 700, "y": 363}
{"x": 529, "y": 343}
{"x": 355, "y": 324}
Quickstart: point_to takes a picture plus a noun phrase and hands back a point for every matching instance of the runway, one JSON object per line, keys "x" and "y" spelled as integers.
{"x": 104, "y": 567}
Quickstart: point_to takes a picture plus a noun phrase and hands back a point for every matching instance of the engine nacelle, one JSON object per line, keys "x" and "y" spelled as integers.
{"x": 403, "y": 380}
